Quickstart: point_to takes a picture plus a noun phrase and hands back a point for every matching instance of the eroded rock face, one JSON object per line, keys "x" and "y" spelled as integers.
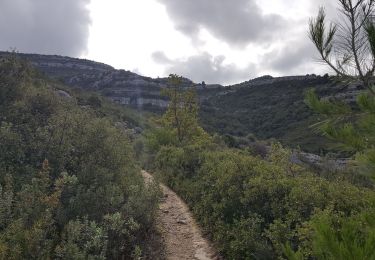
{"x": 63, "y": 94}
{"x": 128, "y": 88}
{"x": 267, "y": 80}
{"x": 121, "y": 86}
{"x": 140, "y": 101}
{"x": 319, "y": 162}
{"x": 268, "y": 107}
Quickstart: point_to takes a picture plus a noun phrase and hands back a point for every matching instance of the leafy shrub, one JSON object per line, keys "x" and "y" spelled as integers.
{"x": 251, "y": 206}
{"x": 70, "y": 187}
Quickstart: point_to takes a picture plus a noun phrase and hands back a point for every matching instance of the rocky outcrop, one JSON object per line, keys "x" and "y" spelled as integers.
{"x": 121, "y": 86}
{"x": 63, "y": 94}
{"x": 268, "y": 107}
{"x": 128, "y": 88}
{"x": 319, "y": 162}
{"x": 139, "y": 102}
{"x": 347, "y": 93}
{"x": 268, "y": 80}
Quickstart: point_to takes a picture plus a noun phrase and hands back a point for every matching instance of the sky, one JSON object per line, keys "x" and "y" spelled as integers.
{"x": 216, "y": 41}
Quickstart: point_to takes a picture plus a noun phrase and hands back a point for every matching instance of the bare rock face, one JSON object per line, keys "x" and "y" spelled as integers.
{"x": 267, "y": 80}
{"x": 140, "y": 102}
{"x": 128, "y": 88}
{"x": 349, "y": 92}
{"x": 268, "y": 107}
{"x": 63, "y": 94}
{"x": 319, "y": 162}
{"x": 123, "y": 87}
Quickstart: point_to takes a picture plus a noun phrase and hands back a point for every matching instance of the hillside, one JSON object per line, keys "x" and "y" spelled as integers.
{"x": 123, "y": 87}
{"x": 71, "y": 188}
{"x": 273, "y": 108}
{"x": 266, "y": 107}
{"x": 70, "y": 185}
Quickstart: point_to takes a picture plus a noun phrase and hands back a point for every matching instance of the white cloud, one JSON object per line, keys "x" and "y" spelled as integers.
{"x": 205, "y": 67}
{"x": 156, "y": 37}
{"x": 254, "y": 36}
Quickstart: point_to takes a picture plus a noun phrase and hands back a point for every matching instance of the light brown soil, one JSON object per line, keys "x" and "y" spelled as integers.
{"x": 182, "y": 237}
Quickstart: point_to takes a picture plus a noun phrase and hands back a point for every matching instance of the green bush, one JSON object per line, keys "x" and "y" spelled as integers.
{"x": 252, "y": 207}
{"x": 70, "y": 186}
{"x": 335, "y": 235}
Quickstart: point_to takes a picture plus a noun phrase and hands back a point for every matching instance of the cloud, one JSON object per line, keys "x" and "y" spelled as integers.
{"x": 205, "y": 67}
{"x": 289, "y": 58}
{"x": 45, "y": 26}
{"x": 161, "y": 58}
{"x": 236, "y": 22}
{"x": 331, "y": 7}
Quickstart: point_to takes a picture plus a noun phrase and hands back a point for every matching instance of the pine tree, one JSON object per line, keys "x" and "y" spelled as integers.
{"x": 348, "y": 48}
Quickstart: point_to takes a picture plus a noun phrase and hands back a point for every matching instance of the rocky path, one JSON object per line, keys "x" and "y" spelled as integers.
{"x": 182, "y": 237}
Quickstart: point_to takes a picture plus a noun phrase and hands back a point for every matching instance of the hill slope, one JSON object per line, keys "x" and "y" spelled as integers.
{"x": 266, "y": 107}
{"x": 271, "y": 108}
{"x": 70, "y": 185}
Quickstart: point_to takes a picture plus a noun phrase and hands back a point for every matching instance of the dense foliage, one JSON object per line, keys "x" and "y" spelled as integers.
{"x": 70, "y": 187}
{"x": 260, "y": 208}
{"x": 269, "y": 111}
{"x": 347, "y": 47}
{"x": 69, "y": 184}
{"x": 337, "y": 235}
{"x": 250, "y": 206}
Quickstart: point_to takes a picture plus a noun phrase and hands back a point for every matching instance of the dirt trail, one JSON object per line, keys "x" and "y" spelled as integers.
{"x": 181, "y": 235}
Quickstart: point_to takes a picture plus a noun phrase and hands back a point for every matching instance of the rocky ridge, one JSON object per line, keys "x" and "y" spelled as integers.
{"x": 128, "y": 88}
{"x": 121, "y": 86}
{"x": 268, "y": 107}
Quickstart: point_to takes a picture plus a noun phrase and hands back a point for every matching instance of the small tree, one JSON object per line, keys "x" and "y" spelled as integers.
{"x": 14, "y": 76}
{"x": 182, "y": 113}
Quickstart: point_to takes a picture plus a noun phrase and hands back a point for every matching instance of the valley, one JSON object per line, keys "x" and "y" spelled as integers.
{"x": 265, "y": 107}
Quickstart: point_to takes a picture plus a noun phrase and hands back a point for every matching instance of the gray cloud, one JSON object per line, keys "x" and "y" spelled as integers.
{"x": 161, "y": 58}
{"x": 331, "y": 7}
{"x": 241, "y": 22}
{"x": 45, "y": 26}
{"x": 205, "y": 67}
{"x": 236, "y": 22}
{"x": 295, "y": 56}
{"x": 289, "y": 58}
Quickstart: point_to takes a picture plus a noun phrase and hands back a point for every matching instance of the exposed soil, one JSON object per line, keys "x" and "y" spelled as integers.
{"x": 181, "y": 235}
